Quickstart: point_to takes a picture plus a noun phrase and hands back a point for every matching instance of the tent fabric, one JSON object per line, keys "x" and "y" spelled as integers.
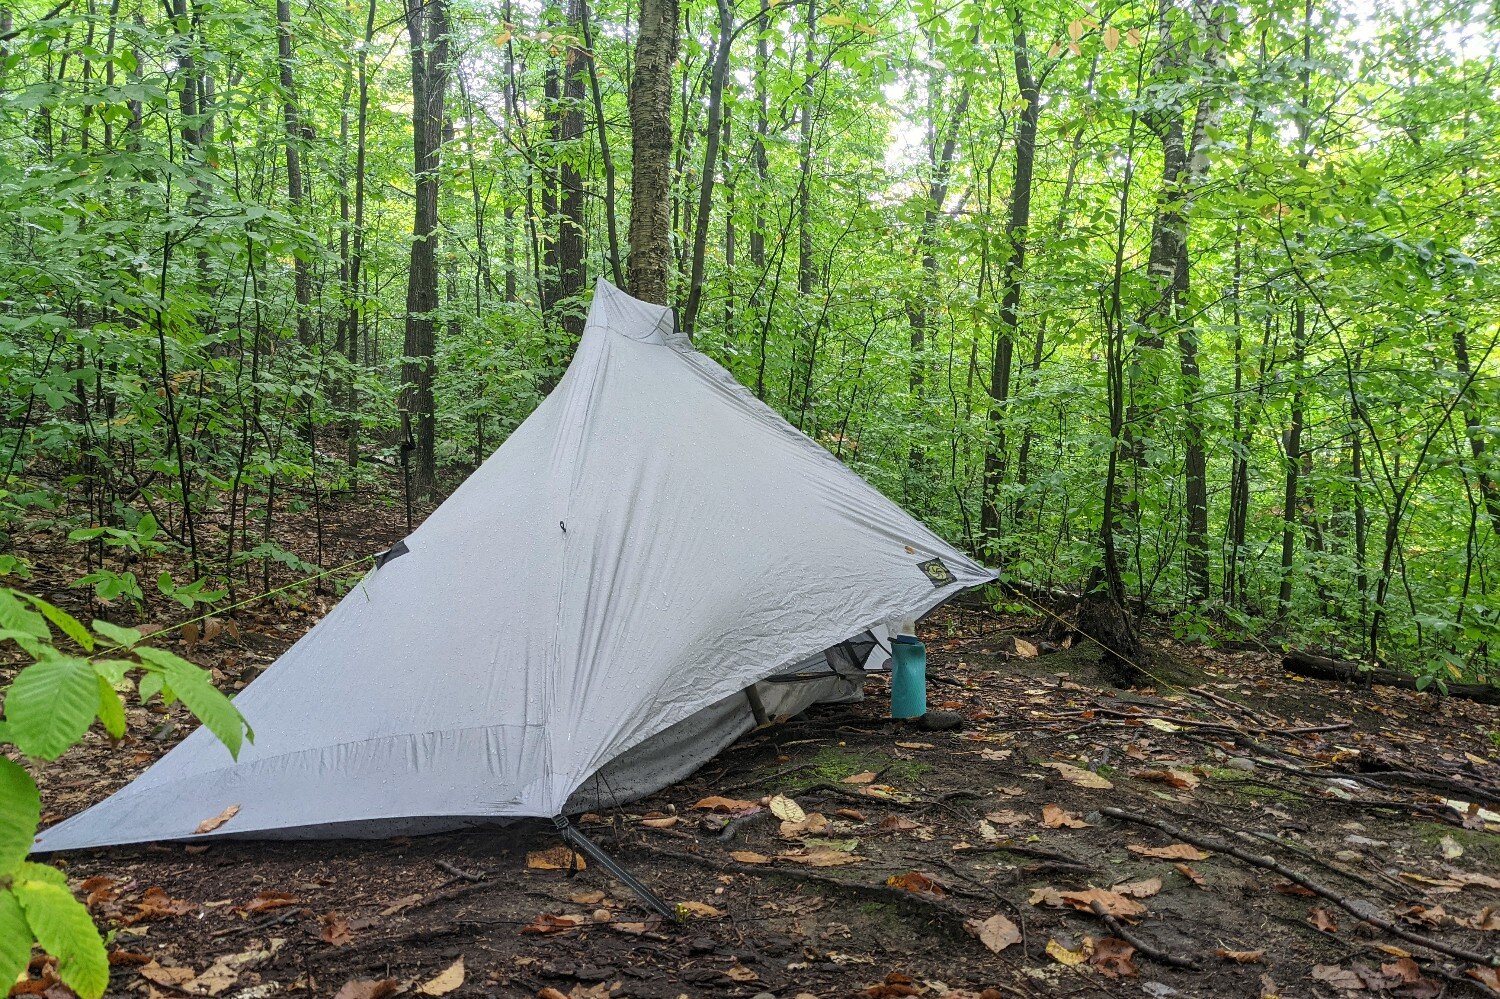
{"x": 649, "y": 543}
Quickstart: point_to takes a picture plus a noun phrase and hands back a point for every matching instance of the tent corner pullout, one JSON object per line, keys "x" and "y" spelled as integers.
{"x": 595, "y": 612}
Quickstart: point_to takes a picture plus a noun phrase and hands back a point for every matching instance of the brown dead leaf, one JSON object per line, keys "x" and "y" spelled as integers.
{"x": 128, "y": 958}
{"x": 1113, "y": 902}
{"x": 1057, "y": 817}
{"x": 1488, "y": 918}
{"x": 557, "y": 858}
{"x": 895, "y": 986}
{"x": 1488, "y": 977}
{"x": 157, "y": 904}
{"x": 1290, "y": 888}
{"x": 1025, "y": 649}
{"x": 1006, "y": 817}
{"x": 1080, "y": 776}
{"x": 1322, "y": 919}
{"x": 368, "y": 988}
{"x": 98, "y": 891}
{"x": 916, "y": 881}
{"x": 660, "y": 821}
{"x": 209, "y": 825}
{"x": 171, "y": 977}
{"x": 915, "y": 745}
{"x": 740, "y": 973}
{"x": 700, "y": 909}
{"x": 822, "y": 857}
{"x": 1434, "y": 915}
{"x": 547, "y": 924}
{"x": 1192, "y": 875}
{"x": 1111, "y": 958}
{"x": 810, "y": 825}
{"x": 445, "y": 981}
{"x": 1139, "y": 889}
{"x": 1176, "y": 851}
{"x": 1046, "y": 896}
{"x": 750, "y": 857}
{"x": 729, "y": 806}
{"x": 1181, "y": 779}
{"x": 335, "y": 930}
{"x": 786, "y": 809}
{"x": 852, "y": 814}
{"x": 1339, "y": 978}
{"x": 996, "y": 933}
{"x": 1241, "y": 956}
{"x": 268, "y": 900}
{"x": 868, "y": 777}
{"x": 898, "y": 823}
{"x": 550, "y": 993}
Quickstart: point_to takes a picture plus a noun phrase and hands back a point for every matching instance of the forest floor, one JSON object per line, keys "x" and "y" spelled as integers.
{"x": 929, "y": 864}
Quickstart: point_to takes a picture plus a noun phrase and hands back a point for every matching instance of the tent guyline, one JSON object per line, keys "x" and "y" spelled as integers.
{"x": 629, "y": 584}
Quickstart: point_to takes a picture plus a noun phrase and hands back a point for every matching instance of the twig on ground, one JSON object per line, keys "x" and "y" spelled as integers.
{"x": 1134, "y": 939}
{"x": 459, "y": 872}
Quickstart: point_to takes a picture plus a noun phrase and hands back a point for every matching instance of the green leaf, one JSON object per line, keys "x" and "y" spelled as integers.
{"x": 50, "y": 704}
{"x": 150, "y": 685}
{"x": 65, "y": 930}
{"x": 20, "y": 811}
{"x": 64, "y": 621}
{"x": 45, "y": 873}
{"x": 114, "y": 670}
{"x": 15, "y": 938}
{"x": 16, "y": 616}
{"x": 120, "y": 636}
{"x": 194, "y": 687}
{"x": 111, "y": 708}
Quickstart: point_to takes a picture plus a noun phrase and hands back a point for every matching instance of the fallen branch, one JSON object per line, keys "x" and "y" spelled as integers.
{"x": 459, "y": 872}
{"x": 1356, "y": 907}
{"x": 1323, "y": 668}
{"x": 1152, "y": 951}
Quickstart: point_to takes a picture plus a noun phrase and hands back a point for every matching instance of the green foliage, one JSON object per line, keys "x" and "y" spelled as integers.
{"x": 48, "y": 708}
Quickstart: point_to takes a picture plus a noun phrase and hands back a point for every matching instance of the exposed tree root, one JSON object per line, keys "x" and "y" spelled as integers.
{"x": 1134, "y": 939}
{"x": 1356, "y": 907}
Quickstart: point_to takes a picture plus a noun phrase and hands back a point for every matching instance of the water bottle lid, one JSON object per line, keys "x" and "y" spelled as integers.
{"x": 907, "y": 640}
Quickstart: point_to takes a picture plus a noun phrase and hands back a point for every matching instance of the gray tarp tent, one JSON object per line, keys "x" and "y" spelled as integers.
{"x": 576, "y": 625}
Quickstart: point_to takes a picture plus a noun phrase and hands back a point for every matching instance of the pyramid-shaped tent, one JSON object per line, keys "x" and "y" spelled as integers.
{"x": 577, "y": 623}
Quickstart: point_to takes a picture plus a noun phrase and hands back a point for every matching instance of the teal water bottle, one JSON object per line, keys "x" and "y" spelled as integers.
{"x": 908, "y": 677}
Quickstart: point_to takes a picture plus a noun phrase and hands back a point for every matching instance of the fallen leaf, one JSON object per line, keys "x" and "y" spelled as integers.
{"x": 1241, "y": 956}
{"x": 660, "y": 821}
{"x": 1339, "y": 978}
{"x": 1188, "y": 872}
{"x": 1181, "y": 779}
{"x": 1322, "y": 919}
{"x": 1139, "y": 889}
{"x": 750, "y": 857}
{"x": 786, "y": 809}
{"x": 268, "y": 900}
{"x": 335, "y": 929}
{"x": 700, "y": 909}
{"x": 868, "y": 777}
{"x": 1111, "y": 958}
{"x": 1450, "y": 847}
{"x": 1080, "y": 776}
{"x": 996, "y": 933}
{"x": 547, "y": 924}
{"x": 404, "y": 902}
{"x": 444, "y": 982}
{"x": 916, "y": 881}
{"x": 171, "y": 977}
{"x": 1176, "y": 851}
{"x": 1488, "y": 977}
{"x": 895, "y": 986}
{"x": 368, "y": 988}
{"x": 1488, "y": 918}
{"x": 1071, "y": 958}
{"x": 915, "y": 745}
{"x": 1025, "y": 649}
{"x": 209, "y": 825}
{"x": 1113, "y": 903}
{"x": 898, "y": 823}
{"x": 822, "y": 858}
{"x": 587, "y": 897}
{"x": 1006, "y": 817}
{"x": 731, "y": 806}
{"x": 157, "y": 904}
{"x": 852, "y": 814}
{"x": 1045, "y": 896}
{"x": 809, "y": 825}
{"x": 1056, "y": 817}
{"x": 740, "y": 973}
{"x": 557, "y": 858}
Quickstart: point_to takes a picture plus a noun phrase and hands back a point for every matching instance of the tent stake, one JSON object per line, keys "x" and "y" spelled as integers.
{"x": 591, "y": 850}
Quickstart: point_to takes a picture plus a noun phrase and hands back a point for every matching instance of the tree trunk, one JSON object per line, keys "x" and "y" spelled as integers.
{"x": 650, "y": 101}
{"x": 427, "y": 26}
{"x": 570, "y": 224}
{"x": 710, "y": 161}
{"x": 292, "y": 125}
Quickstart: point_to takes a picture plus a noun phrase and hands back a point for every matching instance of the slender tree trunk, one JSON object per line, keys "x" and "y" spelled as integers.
{"x": 610, "y": 213}
{"x": 650, "y": 101}
{"x": 710, "y": 160}
{"x": 292, "y": 125}
{"x": 570, "y": 225}
{"x": 427, "y": 26}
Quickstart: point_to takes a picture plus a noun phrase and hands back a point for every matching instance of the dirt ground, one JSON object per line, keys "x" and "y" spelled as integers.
{"x": 1346, "y": 843}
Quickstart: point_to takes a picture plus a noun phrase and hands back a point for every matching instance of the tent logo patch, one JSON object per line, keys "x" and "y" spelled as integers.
{"x": 936, "y": 571}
